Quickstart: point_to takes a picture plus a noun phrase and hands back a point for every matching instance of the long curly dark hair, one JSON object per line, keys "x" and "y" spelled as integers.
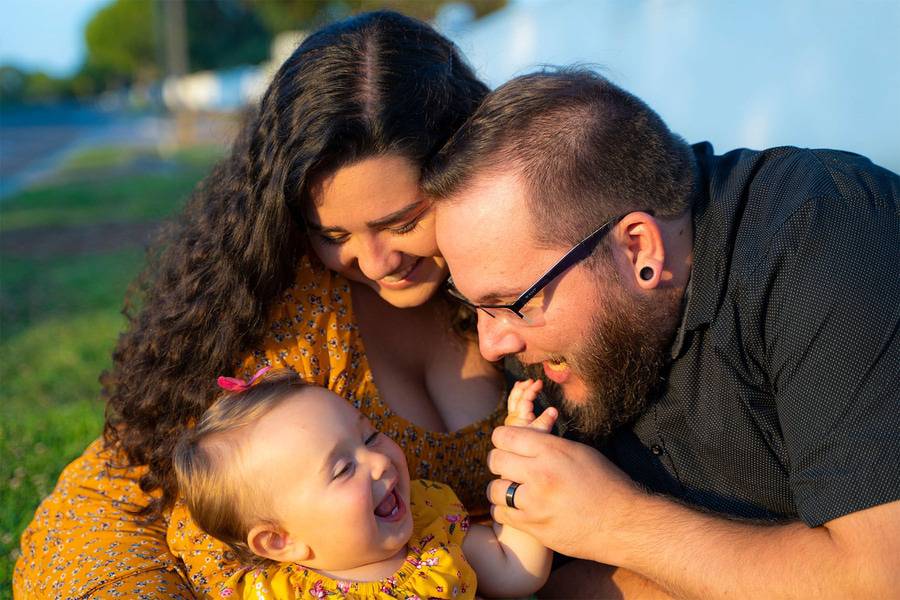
{"x": 377, "y": 83}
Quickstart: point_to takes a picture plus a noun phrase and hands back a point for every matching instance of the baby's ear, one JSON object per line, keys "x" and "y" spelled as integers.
{"x": 274, "y": 543}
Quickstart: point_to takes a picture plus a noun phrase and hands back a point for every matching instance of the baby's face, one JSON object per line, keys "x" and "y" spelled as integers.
{"x": 336, "y": 484}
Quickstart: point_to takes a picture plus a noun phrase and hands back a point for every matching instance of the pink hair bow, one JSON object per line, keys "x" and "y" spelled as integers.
{"x": 233, "y": 384}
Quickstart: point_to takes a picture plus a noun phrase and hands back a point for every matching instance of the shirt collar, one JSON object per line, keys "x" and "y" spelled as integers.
{"x": 706, "y": 286}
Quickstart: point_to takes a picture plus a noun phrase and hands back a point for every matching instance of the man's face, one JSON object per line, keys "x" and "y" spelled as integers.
{"x": 600, "y": 342}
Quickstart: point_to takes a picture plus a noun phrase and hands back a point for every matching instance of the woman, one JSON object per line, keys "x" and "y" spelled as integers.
{"x": 312, "y": 248}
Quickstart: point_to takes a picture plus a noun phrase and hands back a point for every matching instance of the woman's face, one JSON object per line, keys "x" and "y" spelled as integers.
{"x": 370, "y": 223}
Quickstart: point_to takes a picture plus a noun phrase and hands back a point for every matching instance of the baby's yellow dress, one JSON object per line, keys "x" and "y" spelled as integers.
{"x": 435, "y": 566}
{"x": 85, "y": 540}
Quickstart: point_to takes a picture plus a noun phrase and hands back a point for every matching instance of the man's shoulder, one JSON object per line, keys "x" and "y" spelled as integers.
{"x": 788, "y": 175}
{"x": 754, "y": 193}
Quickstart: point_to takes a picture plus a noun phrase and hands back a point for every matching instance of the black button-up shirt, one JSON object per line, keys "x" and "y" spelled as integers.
{"x": 783, "y": 397}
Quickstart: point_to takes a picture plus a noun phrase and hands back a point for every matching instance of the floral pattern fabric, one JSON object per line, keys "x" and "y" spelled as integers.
{"x": 84, "y": 537}
{"x": 86, "y": 542}
{"x": 435, "y": 566}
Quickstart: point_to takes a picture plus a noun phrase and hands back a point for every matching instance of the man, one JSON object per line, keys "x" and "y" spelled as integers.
{"x": 723, "y": 330}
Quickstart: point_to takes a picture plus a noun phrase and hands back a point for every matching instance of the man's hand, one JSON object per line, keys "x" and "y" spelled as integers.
{"x": 571, "y": 498}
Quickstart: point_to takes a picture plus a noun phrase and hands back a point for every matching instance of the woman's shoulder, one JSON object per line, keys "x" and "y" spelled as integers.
{"x": 311, "y": 329}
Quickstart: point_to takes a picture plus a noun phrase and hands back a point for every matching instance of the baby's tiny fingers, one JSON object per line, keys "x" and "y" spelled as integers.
{"x": 546, "y": 420}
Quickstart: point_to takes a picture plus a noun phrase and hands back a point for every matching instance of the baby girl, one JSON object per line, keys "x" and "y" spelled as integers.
{"x": 305, "y": 490}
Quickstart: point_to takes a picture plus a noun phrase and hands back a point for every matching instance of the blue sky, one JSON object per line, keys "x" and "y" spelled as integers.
{"x": 45, "y": 34}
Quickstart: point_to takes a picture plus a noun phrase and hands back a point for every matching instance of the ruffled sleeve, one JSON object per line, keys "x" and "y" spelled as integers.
{"x": 437, "y": 513}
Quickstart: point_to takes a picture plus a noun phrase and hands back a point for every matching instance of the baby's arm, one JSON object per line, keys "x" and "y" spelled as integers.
{"x": 510, "y": 562}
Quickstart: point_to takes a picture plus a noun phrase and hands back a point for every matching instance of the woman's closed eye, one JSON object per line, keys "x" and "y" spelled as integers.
{"x": 407, "y": 227}
{"x": 332, "y": 238}
{"x": 373, "y": 438}
{"x": 410, "y": 225}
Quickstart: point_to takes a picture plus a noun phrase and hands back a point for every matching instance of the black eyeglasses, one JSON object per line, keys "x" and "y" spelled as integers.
{"x": 578, "y": 253}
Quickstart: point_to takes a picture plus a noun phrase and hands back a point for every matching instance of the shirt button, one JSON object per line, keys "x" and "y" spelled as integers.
{"x": 656, "y": 449}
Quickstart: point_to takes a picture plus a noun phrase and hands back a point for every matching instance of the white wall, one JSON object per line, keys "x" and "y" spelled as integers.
{"x": 814, "y": 73}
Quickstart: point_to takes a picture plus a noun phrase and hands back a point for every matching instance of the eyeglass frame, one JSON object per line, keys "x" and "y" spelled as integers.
{"x": 575, "y": 255}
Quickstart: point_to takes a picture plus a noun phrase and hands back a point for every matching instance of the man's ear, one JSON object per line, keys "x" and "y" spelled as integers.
{"x": 274, "y": 543}
{"x": 640, "y": 241}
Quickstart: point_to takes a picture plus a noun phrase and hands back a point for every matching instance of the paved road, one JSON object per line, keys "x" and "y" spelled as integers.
{"x": 35, "y": 140}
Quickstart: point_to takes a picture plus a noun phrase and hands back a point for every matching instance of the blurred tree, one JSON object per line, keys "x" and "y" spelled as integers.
{"x": 124, "y": 42}
{"x": 286, "y": 15}
{"x": 225, "y": 33}
{"x": 12, "y": 84}
{"x": 18, "y": 86}
{"x": 121, "y": 44}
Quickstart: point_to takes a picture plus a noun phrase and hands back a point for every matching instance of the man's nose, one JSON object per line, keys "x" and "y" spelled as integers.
{"x": 496, "y": 338}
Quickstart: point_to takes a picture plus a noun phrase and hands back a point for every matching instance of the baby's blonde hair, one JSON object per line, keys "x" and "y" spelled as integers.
{"x": 223, "y": 500}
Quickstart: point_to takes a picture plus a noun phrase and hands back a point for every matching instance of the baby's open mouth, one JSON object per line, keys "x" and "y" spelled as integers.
{"x": 391, "y": 507}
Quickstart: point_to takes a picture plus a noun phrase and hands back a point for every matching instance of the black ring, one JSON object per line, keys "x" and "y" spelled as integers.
{"x": 511, "y": 494}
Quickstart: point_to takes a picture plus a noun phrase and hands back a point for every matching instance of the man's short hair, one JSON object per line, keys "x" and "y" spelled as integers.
{"x": 585, "y": 149}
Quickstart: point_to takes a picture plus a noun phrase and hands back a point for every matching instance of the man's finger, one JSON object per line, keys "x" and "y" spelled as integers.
{"x": 522, "y": 441}
{"x": 498, "y": 489}
{"x": 503, "y": 515}
{"x": 508, "y": 465}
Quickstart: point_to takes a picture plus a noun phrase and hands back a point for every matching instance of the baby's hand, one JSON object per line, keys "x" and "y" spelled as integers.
{"x": 520, "y": 407}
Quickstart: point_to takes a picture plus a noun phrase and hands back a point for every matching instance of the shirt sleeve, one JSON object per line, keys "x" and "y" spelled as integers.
{"x": 830, "y": 336}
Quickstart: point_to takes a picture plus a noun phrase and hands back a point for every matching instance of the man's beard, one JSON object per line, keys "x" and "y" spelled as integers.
{"x": 622, "y": 362}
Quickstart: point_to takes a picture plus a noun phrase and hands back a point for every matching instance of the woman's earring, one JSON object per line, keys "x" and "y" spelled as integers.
{"x": 647, "y": 273}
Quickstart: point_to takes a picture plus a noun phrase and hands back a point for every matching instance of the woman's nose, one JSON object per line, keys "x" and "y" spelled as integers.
{"x": 377, "y": 259}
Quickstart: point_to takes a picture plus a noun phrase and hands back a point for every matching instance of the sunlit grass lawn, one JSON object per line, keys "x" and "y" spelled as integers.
{"x": 59, "y": 319}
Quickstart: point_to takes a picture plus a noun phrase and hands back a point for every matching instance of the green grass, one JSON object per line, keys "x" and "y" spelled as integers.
{"x": 32, "y": 290}
{"x": 105, "y": 157}
{"x": 59, "y": 319}
{"x": 129, "y": 198}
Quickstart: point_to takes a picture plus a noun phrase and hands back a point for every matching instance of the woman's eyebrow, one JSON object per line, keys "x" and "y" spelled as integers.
{"x": 394, "y": 216}
{"x": 319, "y": 229}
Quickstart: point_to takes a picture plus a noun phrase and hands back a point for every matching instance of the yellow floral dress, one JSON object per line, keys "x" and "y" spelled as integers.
{"x": 435, "y": 566}
{"x": 84, "y": 541}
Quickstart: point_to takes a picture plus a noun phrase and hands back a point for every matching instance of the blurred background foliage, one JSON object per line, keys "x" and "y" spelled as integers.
{"x": 124, "y": 40}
